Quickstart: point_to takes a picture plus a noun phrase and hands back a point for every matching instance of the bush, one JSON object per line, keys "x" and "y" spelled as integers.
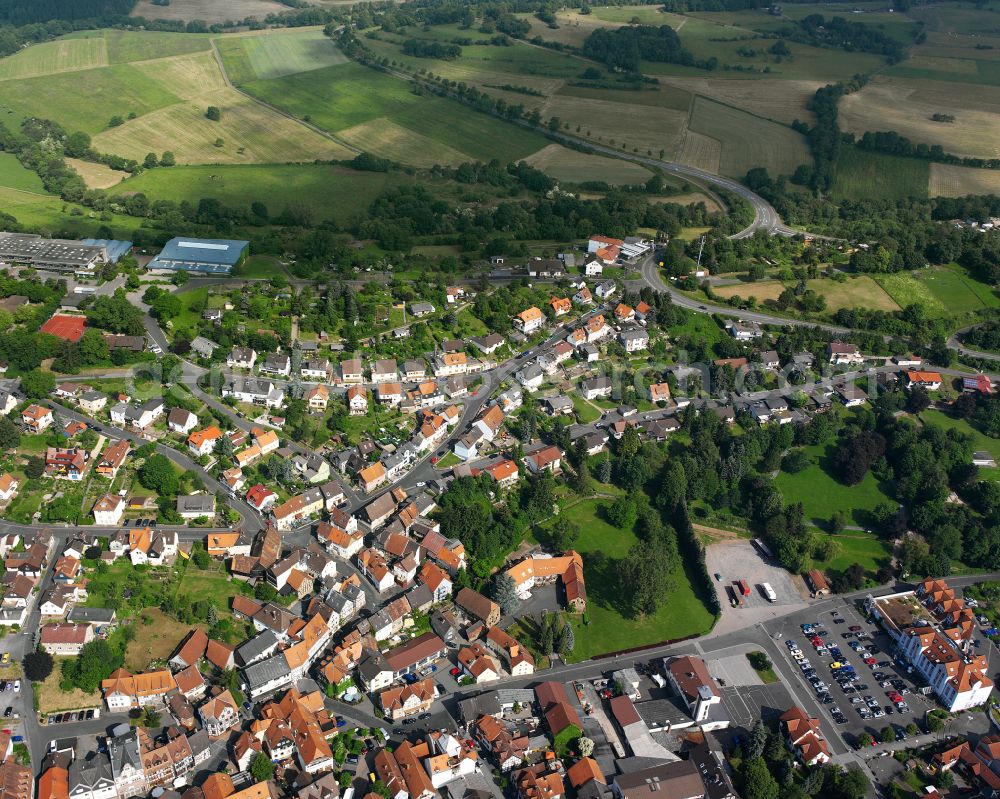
{"x": 759, "y": 661}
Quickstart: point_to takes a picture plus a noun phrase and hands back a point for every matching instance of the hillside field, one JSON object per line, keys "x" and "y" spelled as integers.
{"x": 342, "y": 97}
{"x": 258, "y": 57}
{"x": 906, "y": 106}
{"x": 331, "y": 192}
{"x": 571, "y": 166}
{"x": 748, "y": 141}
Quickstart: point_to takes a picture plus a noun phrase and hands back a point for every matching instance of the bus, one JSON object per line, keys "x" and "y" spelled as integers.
{"x": 764, "y": 548}
{"x": 769, "y": 592}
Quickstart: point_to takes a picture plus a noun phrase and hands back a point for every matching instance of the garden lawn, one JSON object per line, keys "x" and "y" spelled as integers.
{"x": 154, "y": 642}
{"x": 821, "y": 494}
{"x": 585, "y": 412}
{"x": 608, "y": 631}
{"x": 208, "y": 584}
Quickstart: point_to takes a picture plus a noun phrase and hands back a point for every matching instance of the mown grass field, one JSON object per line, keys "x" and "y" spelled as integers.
{"x": 49, "y": 215}
{"x": 61, "y": 55}
{"x": 88, "y": 100}
{"x": 906, "y": 290}
{"x": 821, "y": 494}
{"x": 343, "y": 97}
{"x": 608, "y": 631}
{"x": 958, "y": 292}
{"x": 877, "y": 176}
{"x": 748, "y": 141}
{"x": 331, "y": 192}
{"x": 15, "y": 176}
{"x": 249, "y": 58}
{"x": 127, "y": 46}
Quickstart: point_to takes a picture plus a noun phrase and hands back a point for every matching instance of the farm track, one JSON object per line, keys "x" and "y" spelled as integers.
{"x": 324, "y": 133}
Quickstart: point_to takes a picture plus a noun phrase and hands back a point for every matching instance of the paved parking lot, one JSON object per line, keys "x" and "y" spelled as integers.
{"x": 747, "y": 704}
{"x": 879, "y": 647}
{"x": 739, "y": 560}
{"x": 734, "y": 670}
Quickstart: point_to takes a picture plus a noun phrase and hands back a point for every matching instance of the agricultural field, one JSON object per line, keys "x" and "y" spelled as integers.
{"x": 702, "y": 38}
{"x": 652, "y": 130}
{"x": 49, "y": 58}
{"x": 248, "y": 133}
{"x": 877, "y": 176}
{"x": 906, "y": 106}
{"x": 208, "y": 10}
{"x": 783, "y": 103}
{"x": 88, "y": 100}
{"x": 748, "y": 141}
{"x": 260, "y": 57}
{"x": 343, "y": 97}
{"x": 96, "y": 176}
{"x": 128, "y": 46}
{"x": 957, "y": 181}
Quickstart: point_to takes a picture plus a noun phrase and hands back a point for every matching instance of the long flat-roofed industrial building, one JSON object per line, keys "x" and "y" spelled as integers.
{"x": 213, "y": 256}
{"x": 62, "y": 255}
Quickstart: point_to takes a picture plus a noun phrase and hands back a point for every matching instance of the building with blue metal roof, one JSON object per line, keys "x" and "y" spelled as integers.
{"x": 113, "y": 247}
{"x": 211, "y": 256}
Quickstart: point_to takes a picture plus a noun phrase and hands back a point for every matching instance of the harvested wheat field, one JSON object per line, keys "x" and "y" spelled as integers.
{"x": 749, "y": 141}
{"x": 571, "y": 166}
{"x": 701, "y": 151}
{"x": 208, "y": 10}
{"x": 654, "y": 129}
{"x": 96, "y": 176}
{"x": 783, "y": 101}
{"x": 906, "y": 106}
{"x": 957, "y": 181}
